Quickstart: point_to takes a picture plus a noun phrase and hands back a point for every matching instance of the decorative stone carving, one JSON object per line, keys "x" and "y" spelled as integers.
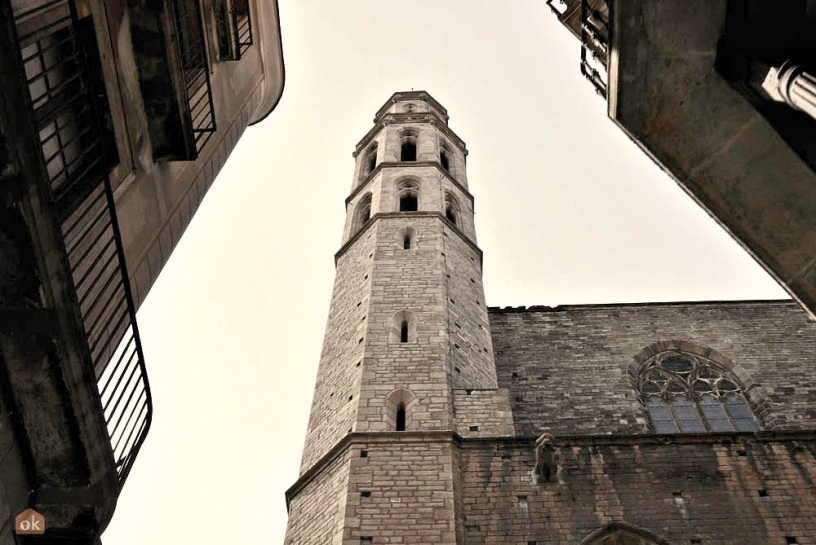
{"x": 547, "y": 459}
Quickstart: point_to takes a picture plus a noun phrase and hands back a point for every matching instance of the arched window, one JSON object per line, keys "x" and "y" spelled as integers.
{"x": 399, "y": 410}
{"x": 408, "y": 146}
{"x": 686, "y": 393}
{"x": 621, "y": 533}
{"x": 370, "y": 160}
{"x": 362, "y": 213}
{"x": 408, "y": 193}
{"x": 403, "y": 327}
{"x": 444, "y": 157}
{"x": 451, "y": 209}
{"x": 406, "y": 238}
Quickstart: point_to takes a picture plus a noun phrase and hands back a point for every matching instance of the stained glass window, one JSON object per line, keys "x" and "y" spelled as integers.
{"x": 690, "y": 394}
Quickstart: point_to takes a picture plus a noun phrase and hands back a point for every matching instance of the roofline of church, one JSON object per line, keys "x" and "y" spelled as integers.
{"x": 585, "y": 306}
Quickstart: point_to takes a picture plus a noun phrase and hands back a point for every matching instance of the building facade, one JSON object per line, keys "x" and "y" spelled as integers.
{"x": 721, "y": 94}
{"x": 117, "y": 116}
{"x": 436, "y": 419}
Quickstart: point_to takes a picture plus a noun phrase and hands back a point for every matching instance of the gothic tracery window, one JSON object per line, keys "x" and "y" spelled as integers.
{"x": 685, "y": 393}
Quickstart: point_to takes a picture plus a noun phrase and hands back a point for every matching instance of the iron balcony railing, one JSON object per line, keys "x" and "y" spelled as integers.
{"x": 234, "y": 28}
{"x": 594, "y": 32}
{"x": 67, "y": 109}
{"x": 193, "y": 53}
{"x": 242, "y": 26}
{"x": 595, "y": 45}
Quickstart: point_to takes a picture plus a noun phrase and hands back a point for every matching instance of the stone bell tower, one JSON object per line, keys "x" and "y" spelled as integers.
{"x": 407, "y": 365}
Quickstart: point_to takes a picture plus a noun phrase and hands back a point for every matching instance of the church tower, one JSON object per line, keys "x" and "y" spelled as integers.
{"x": 407, "y": 367}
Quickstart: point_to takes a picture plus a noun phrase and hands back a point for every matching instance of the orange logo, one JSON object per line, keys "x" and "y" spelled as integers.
{"x": 29, "y": 522}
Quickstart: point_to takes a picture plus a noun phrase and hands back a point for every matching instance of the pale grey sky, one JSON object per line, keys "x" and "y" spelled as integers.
{"x": 568, "y": 210}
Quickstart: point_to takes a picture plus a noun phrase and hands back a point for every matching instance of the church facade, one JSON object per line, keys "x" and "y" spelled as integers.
{"x": 438, "y": 420}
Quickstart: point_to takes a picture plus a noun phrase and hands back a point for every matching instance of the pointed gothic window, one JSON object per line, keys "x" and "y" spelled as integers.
{"x": 362, "y": 213}
{"x": 452, "y": 209}
{"x": 408, "y": 193}
{"x": 371, "y": 160}
{"x": 686, "y": 393}
{"x": 444, "y": 156}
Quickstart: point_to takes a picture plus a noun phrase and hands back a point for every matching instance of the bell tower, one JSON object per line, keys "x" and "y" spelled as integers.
{"x": 407, "y": 366}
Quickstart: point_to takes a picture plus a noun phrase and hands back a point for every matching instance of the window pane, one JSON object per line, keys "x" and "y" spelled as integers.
{"x": 715, "y": 414}
{"x": 662, "y": 418}
{"x": 687, "y": 415}
{"x": 741, "y": 413}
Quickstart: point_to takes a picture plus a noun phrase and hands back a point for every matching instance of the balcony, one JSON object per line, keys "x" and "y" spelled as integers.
{"x": 79, "y": 386}
{"x": 234, "y": 28}
{"x": 174, "y": 76}
{"x": 589, "y": 20}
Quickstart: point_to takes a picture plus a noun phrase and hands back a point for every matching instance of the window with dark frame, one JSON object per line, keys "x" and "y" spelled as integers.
{"x": 684, "y": 393}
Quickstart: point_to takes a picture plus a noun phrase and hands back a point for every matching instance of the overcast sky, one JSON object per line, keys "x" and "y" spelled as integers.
{"x": 568, "y": 210}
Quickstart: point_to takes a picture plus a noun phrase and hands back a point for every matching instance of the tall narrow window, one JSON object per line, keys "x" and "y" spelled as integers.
{"x": 406, "y": 242}
{"x": 408, "y": 151}
{"x": 452, "y": 209}
{"x": 685, "y": 393}
{"x": 401, "y": 417}
{"x": 444, "y": 156}
{"x": 404, "y": 332}
{"x": 362, "y": 213}
{"x": 408, "y": 193}
{"x": 372, "y": 161}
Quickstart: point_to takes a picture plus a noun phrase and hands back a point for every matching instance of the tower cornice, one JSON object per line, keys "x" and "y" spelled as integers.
{"x": 381, "y": 215}
{"x": 391, "y": 119}
{"x": 411, "y": 95}
{"x": 392, "y": 164}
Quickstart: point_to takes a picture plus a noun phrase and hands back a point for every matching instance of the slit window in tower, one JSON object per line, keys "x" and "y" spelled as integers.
{"x": 401, "y": 417}
{"x": 408, "y": 203}
{"x": 404, "y": 332}
{"x": 408, "y": 151}
{"x": 406, "y": 242}
{"x": 444, "y": 160}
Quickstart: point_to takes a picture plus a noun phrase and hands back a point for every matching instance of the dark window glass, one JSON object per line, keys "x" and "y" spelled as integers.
{"x": 404, "y": 332}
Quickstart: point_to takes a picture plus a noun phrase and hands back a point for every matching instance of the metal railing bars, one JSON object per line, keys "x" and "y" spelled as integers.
{"x": 65, "y": 111}
{"x": 193, "y": 54}
{"x": 241, "y": 26}
{"x": 594, "y": 41}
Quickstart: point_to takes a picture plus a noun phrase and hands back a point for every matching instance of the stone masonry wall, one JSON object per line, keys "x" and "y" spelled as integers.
{"x": 317, "y": 511}
{"x": 406, "y": 280}
{"x": 402, "y": 490}
{"x": 566, "y": 368}
{"x": 334, "y": 404}
{"x": 716, "y": 493}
